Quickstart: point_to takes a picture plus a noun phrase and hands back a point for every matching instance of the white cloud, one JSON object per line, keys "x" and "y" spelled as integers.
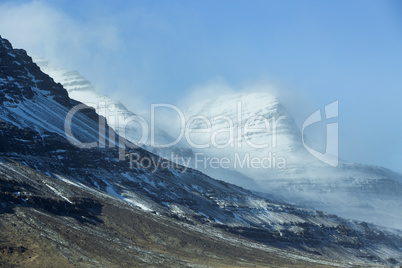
{"x": 45, "y": 31}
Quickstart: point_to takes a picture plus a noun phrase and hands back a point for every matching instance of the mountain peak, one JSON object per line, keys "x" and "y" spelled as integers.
{"x": 21, "y": 78}
{"x": 5, "y": 44}
{"x": 258, "y": 117}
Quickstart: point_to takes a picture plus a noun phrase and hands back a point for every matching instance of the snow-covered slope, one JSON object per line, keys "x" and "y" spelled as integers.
{"x": 125, "y": 122}
{"x": 30, "y": 99}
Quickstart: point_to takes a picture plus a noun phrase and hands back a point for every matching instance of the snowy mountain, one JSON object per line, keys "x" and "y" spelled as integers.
{"x": 46, "y": 180}
{"x": 350, "y": 190}
{"x": 286, "y": 170}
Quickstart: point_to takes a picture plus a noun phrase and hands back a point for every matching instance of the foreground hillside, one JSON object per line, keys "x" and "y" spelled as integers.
{"x": 50, "y": 221}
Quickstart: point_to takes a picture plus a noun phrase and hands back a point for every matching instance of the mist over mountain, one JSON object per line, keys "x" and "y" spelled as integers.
{"x": 352, "y": 190}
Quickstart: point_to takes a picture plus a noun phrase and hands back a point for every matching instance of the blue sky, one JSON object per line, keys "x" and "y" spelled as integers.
{"x": 158, "y": 51}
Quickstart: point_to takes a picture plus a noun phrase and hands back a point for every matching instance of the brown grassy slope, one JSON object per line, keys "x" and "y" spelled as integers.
{"x": 33, "y": 239}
